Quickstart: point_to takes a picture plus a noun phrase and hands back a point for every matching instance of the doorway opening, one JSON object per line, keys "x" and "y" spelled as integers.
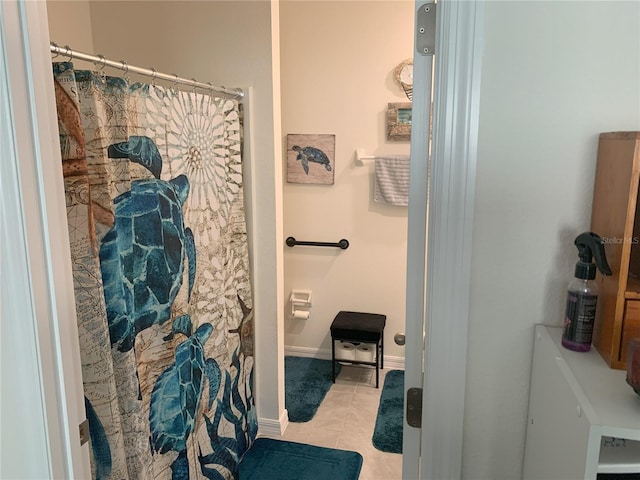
{"x": 344, "y": 85}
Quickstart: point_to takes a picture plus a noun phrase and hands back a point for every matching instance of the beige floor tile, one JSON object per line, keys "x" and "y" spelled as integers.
{"x": 330, "y": 419}
{"x": 369, "y": 390}
{"x": 375, "y": 469}
{"x": 360, "y": 427}
{"x": 346, "y": 419}
{"x": 312, "y": 436}
{"x": 354, "y": 437}
{"x": 351, "y": 374}
{"x": 365, "y": 400}
{"x": 336, "y": 397}
{"x": 350, "y": 387}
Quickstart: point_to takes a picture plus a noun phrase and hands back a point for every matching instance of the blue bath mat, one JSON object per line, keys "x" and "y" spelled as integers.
{"x": 269, "y": 459}
{"x": 306, "y": 382}
{"x": 387, "y": 436}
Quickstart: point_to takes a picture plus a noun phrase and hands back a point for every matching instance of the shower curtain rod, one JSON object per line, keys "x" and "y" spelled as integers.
{"x": 122, "y": 65}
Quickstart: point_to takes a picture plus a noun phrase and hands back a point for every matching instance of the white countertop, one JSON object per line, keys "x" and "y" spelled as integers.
{"x": 615, "y": 405}
{"x": 610, "y": 403}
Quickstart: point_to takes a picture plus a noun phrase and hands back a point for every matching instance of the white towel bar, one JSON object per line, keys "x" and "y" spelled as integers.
{"x": 362, "y": 159}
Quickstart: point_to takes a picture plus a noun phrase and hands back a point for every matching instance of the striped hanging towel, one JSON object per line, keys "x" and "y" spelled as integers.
{"x": 392, "y": 180}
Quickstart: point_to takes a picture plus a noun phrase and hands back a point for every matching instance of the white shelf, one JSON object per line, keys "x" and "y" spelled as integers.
{"x": 615, "y": 404}
{"x": 584, "y": 419}
{"x": 619, "y": 456}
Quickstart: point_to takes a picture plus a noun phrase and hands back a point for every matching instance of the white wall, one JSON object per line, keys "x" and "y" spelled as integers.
{"x": 554, "y": 75}
{"x": 338, "y": 80}
{"x": 226, "y": 43}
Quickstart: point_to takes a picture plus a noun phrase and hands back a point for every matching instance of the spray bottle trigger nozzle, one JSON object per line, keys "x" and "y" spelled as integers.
{"x": 591, "y": 245}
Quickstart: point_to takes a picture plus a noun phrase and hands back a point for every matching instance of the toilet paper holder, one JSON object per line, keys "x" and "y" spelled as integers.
{"x": 298, "y": 299}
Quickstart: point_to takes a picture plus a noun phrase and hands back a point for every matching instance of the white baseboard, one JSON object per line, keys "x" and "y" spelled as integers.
{"x": 320, "y": 353}
{"x": 396, "y": 363}
{"x": 269, "y": 427}
{"x": 393, "y": 363}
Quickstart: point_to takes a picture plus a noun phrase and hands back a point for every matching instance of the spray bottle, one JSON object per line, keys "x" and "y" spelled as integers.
{"x": 582, "y": 296}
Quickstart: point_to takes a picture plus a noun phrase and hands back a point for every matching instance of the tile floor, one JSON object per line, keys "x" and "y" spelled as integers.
{"x": 346, "y": 419}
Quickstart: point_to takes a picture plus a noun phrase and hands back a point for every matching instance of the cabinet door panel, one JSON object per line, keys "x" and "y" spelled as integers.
{"x": 630, "y": 327}
{"x": 557, "y": 430}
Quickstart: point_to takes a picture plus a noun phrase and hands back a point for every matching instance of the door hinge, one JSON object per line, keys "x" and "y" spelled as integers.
{"x": 84, "y": 432}
{"x": 426, "y": 29}
{"x": 414, "y": 407}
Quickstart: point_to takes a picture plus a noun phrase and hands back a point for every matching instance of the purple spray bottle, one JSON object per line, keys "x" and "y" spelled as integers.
{"x": 582, "y": 297}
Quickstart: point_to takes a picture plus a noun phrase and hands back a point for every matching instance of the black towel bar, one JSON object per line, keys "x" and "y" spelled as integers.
{"x": 343, "y": 243}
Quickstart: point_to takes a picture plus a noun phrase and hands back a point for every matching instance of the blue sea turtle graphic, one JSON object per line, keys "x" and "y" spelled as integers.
{"x": 311, "y": 154}
{"x": 142, "y": 256}
{"x": 176, "y": 395}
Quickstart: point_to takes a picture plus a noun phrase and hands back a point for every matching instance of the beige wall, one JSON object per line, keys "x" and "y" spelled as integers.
{"x": 70, "y": 24}
{"x": 337, "y": 60}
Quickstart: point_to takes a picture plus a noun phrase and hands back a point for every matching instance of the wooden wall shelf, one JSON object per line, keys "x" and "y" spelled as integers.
{"x": 616, "y": 218}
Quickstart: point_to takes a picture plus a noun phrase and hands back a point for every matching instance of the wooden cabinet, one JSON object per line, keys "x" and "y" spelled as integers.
{"x": 616, "y": 218}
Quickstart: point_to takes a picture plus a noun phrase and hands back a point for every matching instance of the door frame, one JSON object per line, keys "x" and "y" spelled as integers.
{"x": 40, "y": 434}
{"x": 450, "y": 223}
{"x": 444, "y": 301}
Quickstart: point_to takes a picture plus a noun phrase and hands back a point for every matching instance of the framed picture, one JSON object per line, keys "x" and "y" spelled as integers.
{"x": 311, "y": 158}
{"x": 399, "y": 121}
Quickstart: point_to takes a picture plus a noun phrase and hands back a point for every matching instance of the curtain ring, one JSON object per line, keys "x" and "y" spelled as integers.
{"x": 103, "y": 76}
{"x": 154, "y": 74}
{"x": 69, "y": 52}
{"x": 57, "y": 52}
{"x": 175, "y": 83}
{"x": 125, "y": 67}
{"x": 194, "y": 84}
{"x": 98, "y": 61}
{"x": 210, "y": 85}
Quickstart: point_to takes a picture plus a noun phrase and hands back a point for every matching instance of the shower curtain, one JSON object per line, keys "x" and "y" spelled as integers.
{"x": 153, "y": 183}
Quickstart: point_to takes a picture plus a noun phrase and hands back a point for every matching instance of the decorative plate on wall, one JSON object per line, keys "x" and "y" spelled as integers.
{"x": 403, "y": 74}
{"x": 311, "y": 158}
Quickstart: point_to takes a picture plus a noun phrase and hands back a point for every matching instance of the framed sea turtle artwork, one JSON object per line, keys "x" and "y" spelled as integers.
{"x": 311, "y": 158}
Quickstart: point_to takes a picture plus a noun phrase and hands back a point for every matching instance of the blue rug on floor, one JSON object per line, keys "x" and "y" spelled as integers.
{"x": 306, "y": 382}
{"x": 269, "y": 459}
{"x": 387, "y": 436}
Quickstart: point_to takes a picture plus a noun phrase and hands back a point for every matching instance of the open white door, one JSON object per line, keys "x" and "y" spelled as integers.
{"x": 417, "y": 239}
{"x": 438, "y": 289}
{"x": 42, "y": 398}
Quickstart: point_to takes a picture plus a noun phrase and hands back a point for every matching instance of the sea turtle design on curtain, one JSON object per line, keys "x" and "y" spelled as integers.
{"x": 176, "y": 398}
{"x": 153, "y": 178}
{"x": 142, "y": 256}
